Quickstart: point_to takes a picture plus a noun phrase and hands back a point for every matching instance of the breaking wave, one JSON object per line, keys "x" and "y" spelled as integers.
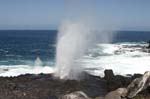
{"x": 123, "y": 58}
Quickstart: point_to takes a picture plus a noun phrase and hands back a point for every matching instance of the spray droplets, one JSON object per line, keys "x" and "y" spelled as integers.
{"x": 73, "y": 40}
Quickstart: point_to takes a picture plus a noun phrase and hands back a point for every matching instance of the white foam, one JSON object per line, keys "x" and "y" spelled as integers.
{"x": 123, "y": 58}
{"x": 17, "y": 70}
{"x": 108, "y": 48}
{"x": 130, "y": 60}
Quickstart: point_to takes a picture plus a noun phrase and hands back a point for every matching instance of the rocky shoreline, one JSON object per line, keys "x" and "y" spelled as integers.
{"x": 45, "y": 86}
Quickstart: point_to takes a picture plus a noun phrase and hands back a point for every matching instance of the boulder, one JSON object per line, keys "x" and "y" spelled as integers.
{"x": 148, "y": 44}
{"x": 109, "y": 74}
{"x": 115, "y": 81}
{"x": 120, "y": 93}
{"x": 138, "y": 85}
{"x": 75, "y": 95}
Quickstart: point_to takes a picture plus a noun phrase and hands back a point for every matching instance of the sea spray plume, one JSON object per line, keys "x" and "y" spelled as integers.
{"x": 73, "y": 40}
{"x": 38, "y": 62}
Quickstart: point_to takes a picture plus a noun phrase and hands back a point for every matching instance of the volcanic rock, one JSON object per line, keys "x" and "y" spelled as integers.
{"x": 117, "y": 94}
{"x": 109, "y": 74}
{"x": 45, "y": 86}
{"x": 138, "y": 85}
{"x": 116, "y": 81}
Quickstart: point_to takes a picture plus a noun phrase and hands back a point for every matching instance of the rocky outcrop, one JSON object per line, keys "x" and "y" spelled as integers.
{"x": 45, "y": 86}
{"x": 133, "y": 85}
{"x": 120, "y": 93}
{"x": 116, "y": 81}
{"x": 108, "y": 74}
{"x": 138, "y": 85}
{"x": 148, "y": 44}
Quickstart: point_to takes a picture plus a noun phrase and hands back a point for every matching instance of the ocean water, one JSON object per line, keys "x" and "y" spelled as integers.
{"x": 20, "y": 48}
{"x": 33, "y": 51}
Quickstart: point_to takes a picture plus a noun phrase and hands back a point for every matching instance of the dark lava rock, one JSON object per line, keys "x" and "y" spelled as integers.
{"x": 44, "y": 86}
{"x": 109, "y": 74}
{"x": 148, "y": 44}
{"x": 136, "y": 76}
{"x": 116, "y": 81}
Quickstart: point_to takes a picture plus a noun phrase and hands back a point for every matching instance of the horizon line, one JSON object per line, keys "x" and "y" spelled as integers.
{"x": 57, "y": 30}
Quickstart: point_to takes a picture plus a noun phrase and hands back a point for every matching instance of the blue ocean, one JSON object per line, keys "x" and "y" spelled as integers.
{"x": 21, "y": 47}
{"x": 19, "y": 50}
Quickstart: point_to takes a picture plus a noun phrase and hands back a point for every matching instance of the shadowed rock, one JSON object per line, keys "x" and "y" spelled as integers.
{"x": 148, "y": 44}
{"x": 116, "y": 81}
{"x": 109, "y": 74}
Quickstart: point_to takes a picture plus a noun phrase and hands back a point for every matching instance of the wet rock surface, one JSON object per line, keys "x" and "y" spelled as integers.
{"x": 45, "y": 86}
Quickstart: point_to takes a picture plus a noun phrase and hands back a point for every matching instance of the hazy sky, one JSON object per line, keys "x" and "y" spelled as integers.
{"x": 47, "y": 14}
